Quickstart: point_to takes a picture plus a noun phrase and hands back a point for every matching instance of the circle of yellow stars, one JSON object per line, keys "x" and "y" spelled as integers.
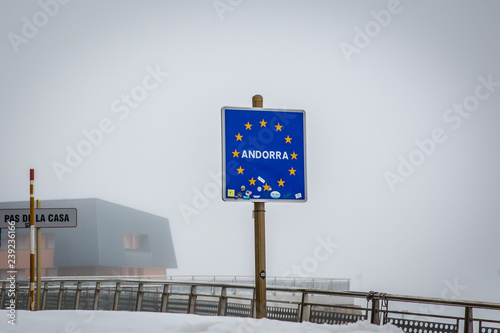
{"x": 288, "y": 139}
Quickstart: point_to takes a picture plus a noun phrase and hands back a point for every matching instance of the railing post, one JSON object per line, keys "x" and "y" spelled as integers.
{"x": 140, "y": 293}
{"x": 96, "y": 295}
{"x": 60, "y": 296}
{"x": 77, "y": 295}
{"x": 192, "y": 299}
{"x": 375, "y": 311}
{"x": 221, "y": 311}
{"x": 4, "y": 290}
{"x": 44, "y": 295}
{"x": 468, "y": 321}
{"x": 252, "y": 304}
{"x": 305, "y": 309}
{"x": 116, "y": 299}
{"x": 16, "y": 297}
{"x": 164, "y": 299}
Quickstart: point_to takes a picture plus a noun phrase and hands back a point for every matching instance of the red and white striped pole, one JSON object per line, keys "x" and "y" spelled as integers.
{"x": 32, "y": 241}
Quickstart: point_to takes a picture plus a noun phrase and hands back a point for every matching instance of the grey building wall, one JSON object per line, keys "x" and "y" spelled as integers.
{"x": 115, "y": 220}
{"x": 76, "y": 246}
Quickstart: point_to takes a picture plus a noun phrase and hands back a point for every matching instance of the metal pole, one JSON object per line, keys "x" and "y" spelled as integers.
{"x": 468, "y": 321}
{"x": 259, "y": 214}
{"x": 32, "y": 241}
{"x": 38, "y": 263}
{"x": 375, "y": 311}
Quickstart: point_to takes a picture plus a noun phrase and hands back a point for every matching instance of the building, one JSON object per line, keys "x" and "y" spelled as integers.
{"x": 109, "y": 240}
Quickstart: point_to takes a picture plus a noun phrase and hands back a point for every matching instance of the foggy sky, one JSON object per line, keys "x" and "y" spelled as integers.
{"x": 401, "y": 99}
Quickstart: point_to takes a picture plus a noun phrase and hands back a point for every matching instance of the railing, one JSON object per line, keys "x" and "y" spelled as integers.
{"x": 309, "y": 283}
{"x": 283, "y": 303}
{"x": 460, "y": 317}
{"x": 300, "y": 282}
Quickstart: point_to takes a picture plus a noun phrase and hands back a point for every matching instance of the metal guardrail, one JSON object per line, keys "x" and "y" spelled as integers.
{"x": 283, "y": 303}
{"x": 310, "y": 283}
{"x": 300, "y": 282}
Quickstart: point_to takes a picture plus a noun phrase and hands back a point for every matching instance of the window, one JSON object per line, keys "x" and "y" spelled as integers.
{"x": 22, "y": 241}
{"x": 49, "y": 241}
{"x": 142, "y": 242}
{"x": 128, "y": 241}
{"x": 3, "y": 241}
{"x": 22, "y": 273}
{"x": 51, "y": 272}
{"x": 136, "y": 242}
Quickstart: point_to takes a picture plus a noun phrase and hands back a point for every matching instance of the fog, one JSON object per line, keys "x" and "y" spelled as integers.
{"x": 120, "y": 100}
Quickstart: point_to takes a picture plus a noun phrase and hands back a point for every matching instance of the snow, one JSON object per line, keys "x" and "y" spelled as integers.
{"x": 80, "y": 321}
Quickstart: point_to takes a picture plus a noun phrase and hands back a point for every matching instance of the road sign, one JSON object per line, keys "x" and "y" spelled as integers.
{"x": 263, "y": 155}
{"x": 44, "y": 217}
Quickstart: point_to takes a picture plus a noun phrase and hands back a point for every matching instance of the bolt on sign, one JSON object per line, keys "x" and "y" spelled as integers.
{"x": 263, "y": 155}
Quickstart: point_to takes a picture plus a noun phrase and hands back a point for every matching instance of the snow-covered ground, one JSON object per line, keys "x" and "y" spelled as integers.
{"x": 69, "y": 321}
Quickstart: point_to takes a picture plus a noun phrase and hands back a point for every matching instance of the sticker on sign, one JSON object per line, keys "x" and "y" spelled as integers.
{"x": 44, "y": 217}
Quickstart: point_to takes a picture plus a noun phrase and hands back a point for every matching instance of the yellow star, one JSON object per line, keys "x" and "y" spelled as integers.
{"x": 278, "y": 127}
{"x": 236, "y": 153}
{"x": 294, "y": 156}
{"x": 248, "y": 126}
{"x": 240, "y": 170}
{"x": 263, "y": 123}
{"x": 292, "y": 171}
{"x": 281, "y": 182}
{"x": 266, "y": 187}
{"x": 288, "y": 139}
{"x": 252, "y": 181}
{"x": 238, "y": 137}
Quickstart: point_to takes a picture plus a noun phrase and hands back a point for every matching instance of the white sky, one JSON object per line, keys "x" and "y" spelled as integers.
{"x": 67, "y": 69}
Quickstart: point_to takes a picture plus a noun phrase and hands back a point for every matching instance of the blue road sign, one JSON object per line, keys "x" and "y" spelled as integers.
{"x": 263, "y": 155}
